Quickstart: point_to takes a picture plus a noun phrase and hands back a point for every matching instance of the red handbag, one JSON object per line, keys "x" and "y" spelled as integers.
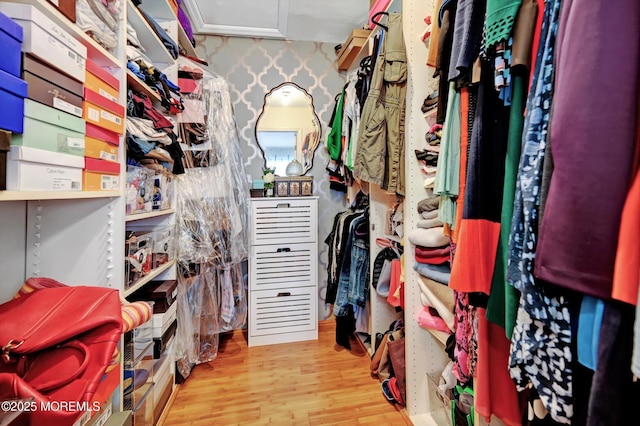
{"x": 56, "y": 345}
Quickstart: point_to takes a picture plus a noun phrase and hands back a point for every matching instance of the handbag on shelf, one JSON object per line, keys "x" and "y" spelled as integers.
{"x": 56, "y": 345}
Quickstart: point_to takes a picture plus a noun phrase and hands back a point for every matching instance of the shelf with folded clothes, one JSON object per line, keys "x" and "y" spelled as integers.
{"x": 162, "y": 12}
{"x": 147, "y": 39}
{"x": 135, "y": 83}
{"x": 95, "y": 51}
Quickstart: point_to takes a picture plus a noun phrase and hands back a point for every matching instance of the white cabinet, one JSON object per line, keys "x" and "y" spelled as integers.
{"x": 283, "y": 270}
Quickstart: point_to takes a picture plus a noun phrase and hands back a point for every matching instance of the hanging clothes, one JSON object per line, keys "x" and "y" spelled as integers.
{"x": 334, "y": 138}
{"x": 578, "y": 238}
{"x": 543, "y": 328}
{"x": 337, "y": 240}
{"x": 480, "y": 225}
{"x": 503, "y": 299}
{"x": 380, "y": 154}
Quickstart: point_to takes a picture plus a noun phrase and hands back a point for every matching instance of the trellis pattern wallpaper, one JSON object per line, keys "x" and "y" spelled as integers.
{"x": 252, "y": 67}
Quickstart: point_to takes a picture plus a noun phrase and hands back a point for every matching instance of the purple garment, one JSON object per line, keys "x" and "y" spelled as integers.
{"x": 592, "y": 139}
{"x": 186, "y": 24}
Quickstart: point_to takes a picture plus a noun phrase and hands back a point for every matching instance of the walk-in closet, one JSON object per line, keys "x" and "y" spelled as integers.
{"x": 292, "y": 212}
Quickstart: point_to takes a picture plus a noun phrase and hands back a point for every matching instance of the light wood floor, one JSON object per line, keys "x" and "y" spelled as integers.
{"x": 304, "y": 383}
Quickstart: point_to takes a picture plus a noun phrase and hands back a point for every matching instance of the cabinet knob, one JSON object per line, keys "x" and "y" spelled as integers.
{"x": 284, "y": 205}
{"x": 285, "y": 294}
{"x": 284, "y": 249}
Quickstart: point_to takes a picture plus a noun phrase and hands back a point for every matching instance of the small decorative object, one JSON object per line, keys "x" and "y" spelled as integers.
{"x": 294, "y": 168}
{"x": 294, "y": 186}
{"x": 269, "y": 178}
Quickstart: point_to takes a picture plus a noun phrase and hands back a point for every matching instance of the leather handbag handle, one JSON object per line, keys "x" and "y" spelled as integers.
{"x": 70, "y": 360}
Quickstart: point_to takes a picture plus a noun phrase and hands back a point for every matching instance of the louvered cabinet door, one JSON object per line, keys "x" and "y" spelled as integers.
{"x": 277, "y": 266}
{"x": 288, "y": 220}
{"x": 283, "y": 271}
{"x": 278, "y": 316}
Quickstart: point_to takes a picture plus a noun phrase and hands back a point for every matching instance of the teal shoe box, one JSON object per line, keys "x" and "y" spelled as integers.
{"x": 51, "y": 129}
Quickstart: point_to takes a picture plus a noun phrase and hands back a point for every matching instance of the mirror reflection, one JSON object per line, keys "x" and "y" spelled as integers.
{"x": 288, "y": 128}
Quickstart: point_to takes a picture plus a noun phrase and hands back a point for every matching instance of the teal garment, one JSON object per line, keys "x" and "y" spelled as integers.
{"x": 589, "y": 322}
{"x": 504, "y": 298}
{"x": 447, "y": 183}
{"x": 334, "y": 138}
{"x": 499, "y": 21}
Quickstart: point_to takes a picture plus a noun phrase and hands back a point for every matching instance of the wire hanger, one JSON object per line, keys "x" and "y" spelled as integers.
{"x": 373, "y": 20}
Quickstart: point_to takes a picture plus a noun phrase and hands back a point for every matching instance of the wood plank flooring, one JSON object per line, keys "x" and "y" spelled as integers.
{"x": 304, "y": 383}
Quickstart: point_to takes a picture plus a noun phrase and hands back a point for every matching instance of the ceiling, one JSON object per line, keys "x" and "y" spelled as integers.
{"x": 328, "y": 21}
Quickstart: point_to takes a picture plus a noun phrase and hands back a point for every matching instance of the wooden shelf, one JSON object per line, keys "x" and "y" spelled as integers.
{"x": 95, "y": 52}
{"x": 161, "y": 11}
{"x": 147, "y": 215}
{"x": 53, "y": 195}
{"x": 154, "y": 49}
{"x": 138, "y": 85}
{"x": 149, "y": 277}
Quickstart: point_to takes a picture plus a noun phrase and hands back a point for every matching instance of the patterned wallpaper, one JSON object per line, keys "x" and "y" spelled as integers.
{"x": 253, "y": 67}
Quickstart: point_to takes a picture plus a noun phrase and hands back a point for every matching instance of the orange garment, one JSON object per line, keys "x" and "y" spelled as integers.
{"x": 626, "y": 273}
{"x": 483, "y": 256}
{"x": 432, "y": 54}
{"x": 464, "y": 143}
{"x": 495, "y": 392}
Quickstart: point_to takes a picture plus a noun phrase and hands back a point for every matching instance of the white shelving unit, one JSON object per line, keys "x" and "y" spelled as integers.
{"x": 425, "y": 355}
{"x": 76, "y": 237}
{"x": 162, "y": 12}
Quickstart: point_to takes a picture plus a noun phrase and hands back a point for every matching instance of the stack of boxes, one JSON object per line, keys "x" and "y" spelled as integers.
{"x": 13, "y": 89}
{"x": 67, "y": 96}
{"x": 163, "y": 294}
{"x": 105, "y": 122}
{"x": 49, "y": 154}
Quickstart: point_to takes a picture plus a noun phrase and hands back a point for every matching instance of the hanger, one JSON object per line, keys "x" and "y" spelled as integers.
{"x": 373, "y": 20}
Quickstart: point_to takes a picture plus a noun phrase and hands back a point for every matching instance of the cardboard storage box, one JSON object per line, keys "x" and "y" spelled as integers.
{"x": 294, "y": 186}
{"x": 162, "y": 321}
{"x": 103, "y": 112}
{"x": 95, "y": 148}
{"x": 51, "y": 87}
{"x": 98, "y": 80}
{"x": 161, "y": 344}
{"x": 47, "y": 40}
{"x": 32, "y": 169}
{"x": 100, "y": 175}
{"x": 51, "y": 129}
{"x": 102, "y": 134}
{"x": 162, "y": 292}
{"x": 351, "y": 48}
{"x": 12, "y": 93}
{"x": 10, "y": 45}
{"x": 66, "y": 7}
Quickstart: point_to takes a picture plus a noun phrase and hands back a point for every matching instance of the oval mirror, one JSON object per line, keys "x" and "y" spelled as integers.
{"x": 287, "y": 129}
